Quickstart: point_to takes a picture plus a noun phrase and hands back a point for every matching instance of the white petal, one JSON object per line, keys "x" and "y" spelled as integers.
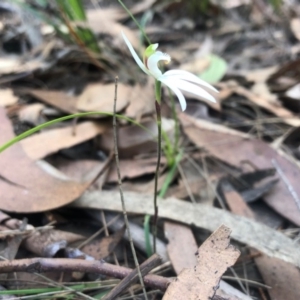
{"x": 184, "y": 75}
{"x": 176, "y": 91}
{"x": 191, "y": 88}
{"x": 134, "y": 54}
{"x": 153, "y": 61}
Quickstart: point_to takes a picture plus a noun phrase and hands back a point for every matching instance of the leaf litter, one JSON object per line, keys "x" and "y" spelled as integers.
{"x": 240, "y": 154}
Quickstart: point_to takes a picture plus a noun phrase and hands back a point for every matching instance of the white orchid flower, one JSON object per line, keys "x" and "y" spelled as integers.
{"x": 176, "y": 80}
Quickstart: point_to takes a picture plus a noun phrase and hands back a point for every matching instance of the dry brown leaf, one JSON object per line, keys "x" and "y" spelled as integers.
{"x": 295, "y": 27}
{"x": 104, "y": 21}
{"x": 287, "y": 116}
{"x": 32, "y": 113}
{"x": 7, "y": 97}
{"x": 197, "y": 65}
{"x": 10, "y": 243}
{"x": 182, "y": 246}
{"x": 260, "y": 75}
{"x": 76, "y": 169}
{"x": 99, "y": 249}
{"x": 24, "y": 187}
{"x": 15, "y": 64}
{"x": 259, "y": 236}
{"x": 100, "y": 97}
{"x": 203, "y": 124}
{"x": 142, "y": 101}
{"x": 237, "y": 150}
{"x": 42, "y": 144}
{"x": 201, "y": 282}
{"x": 63, "y": 101}
{"x": 262, "y": 90}
{"x": 131, "y": 168}
{"x": 48, "y": 243}
{"x": 134, "y": 140}
{"x": 282, "y": 277}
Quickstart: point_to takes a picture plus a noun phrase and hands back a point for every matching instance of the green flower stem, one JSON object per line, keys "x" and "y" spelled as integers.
{"x": 135, "y": 21}
{"x": 158, "y": 117}
{"x": 158, "y": 92}
{"x": 175, "y": 117}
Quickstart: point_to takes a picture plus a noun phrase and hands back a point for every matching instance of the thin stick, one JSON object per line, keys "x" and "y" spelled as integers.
{"x": 41, "y": 265}
{"x": 121, "y": 192}
{"x": 158, "y": 114}
{"x": 145, "y": 267}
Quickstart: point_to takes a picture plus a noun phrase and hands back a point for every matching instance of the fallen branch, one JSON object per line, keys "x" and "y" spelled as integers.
{"x": 145, "y": 268}
{"x": 41, "y": 265}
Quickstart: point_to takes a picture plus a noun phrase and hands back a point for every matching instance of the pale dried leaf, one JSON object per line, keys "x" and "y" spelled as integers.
{"x": 142, "y": 101}
{"x": 7, "y": 97}
{"x": 100, "y": 97}
{"x": 40, "y": 145}
{"x": 101, "y": 248}
{"x": 24, "y": 186}
{"x": 13, "y": 64}
{"x": 282, "y": 277}
{"x": 32, "y": 113}
{"x": 61, "y": 100}
{"x": 134, "y": 140}
{"x": 182, "y": 246}
{"x": 262, "y": 90}
{"x": 259, "y": 236}
{"x": 104, "y": 21}
{"x": 287, "y": 116}
{"x": 48, "y": 243}
{"x": 237, "y": 149}
{"x": 201, "y": 282}
{"x": 260, "y": 75}
{"x": 294, "y": 92}
{"x": 295, "y": 26}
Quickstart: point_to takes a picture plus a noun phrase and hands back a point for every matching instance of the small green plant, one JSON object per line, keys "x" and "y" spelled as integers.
{"x": 68, "y": 19}
{"x": 177, "y": 81}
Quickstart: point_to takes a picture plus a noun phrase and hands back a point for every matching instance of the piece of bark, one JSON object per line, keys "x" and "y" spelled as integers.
{"x": 249, "y": 232}
{"x": 282, "y": 277}
{"x": 201, "y": 282}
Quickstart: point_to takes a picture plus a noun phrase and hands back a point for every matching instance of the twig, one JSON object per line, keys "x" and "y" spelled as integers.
{"x": 40, "y": 265}
{"x": 145, "y": 267}
{"x": 158, "y": 114}
{"x": 121, "y": 192}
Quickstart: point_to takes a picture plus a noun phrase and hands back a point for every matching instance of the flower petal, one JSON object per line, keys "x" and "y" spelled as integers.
{"x": 134, "y": 54}
{"x": 176, "y": 91}
{"x": 191, "y": 88}
{"x": 153, "y": 61}
{"x": 184, "y": 75}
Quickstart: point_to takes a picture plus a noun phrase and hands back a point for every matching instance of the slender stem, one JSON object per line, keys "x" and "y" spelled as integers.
{"x": 175, "y": 117}
{"x": 122, "y": 195}
{"x": 135, "y": 21}
{"x": 158, "y": 116}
